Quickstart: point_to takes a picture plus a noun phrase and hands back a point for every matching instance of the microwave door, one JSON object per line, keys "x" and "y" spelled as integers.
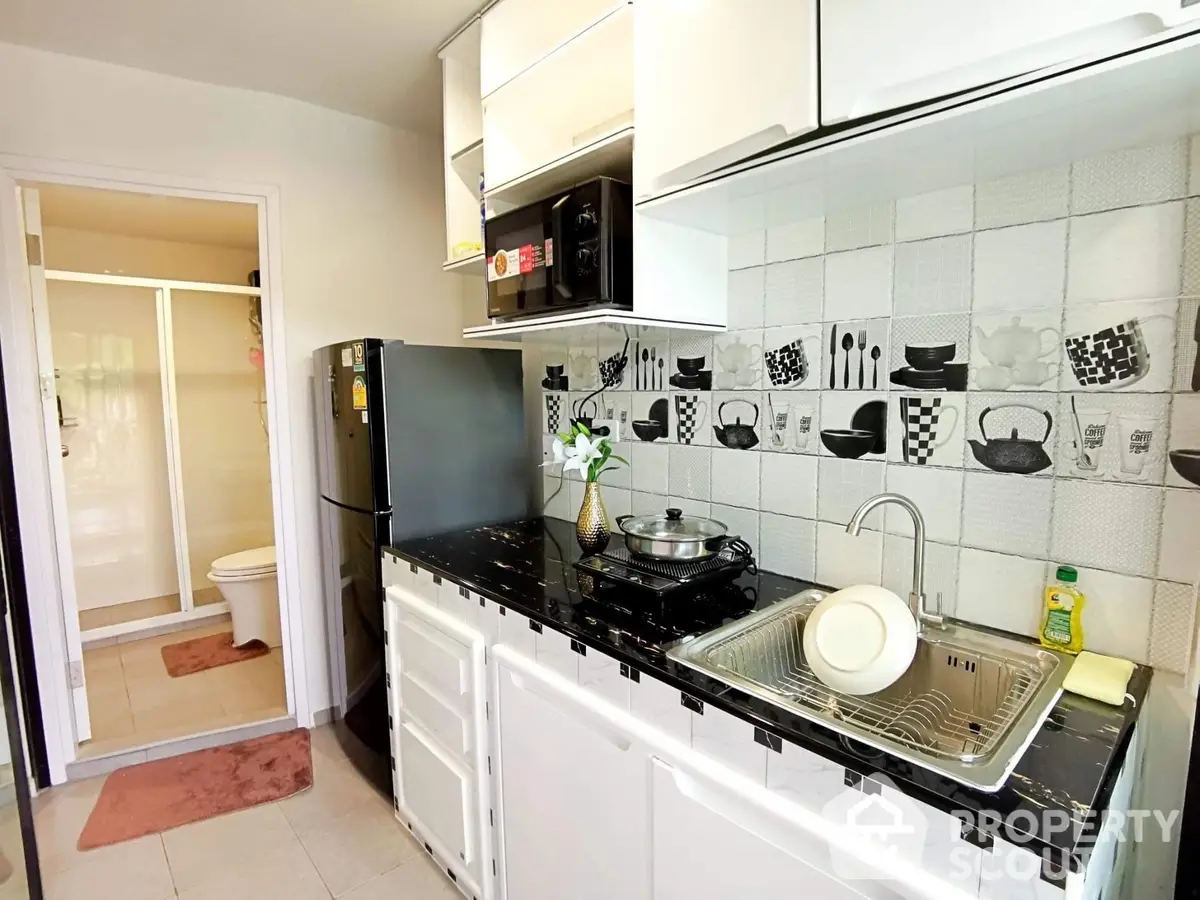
{"x": 563, "y": 253}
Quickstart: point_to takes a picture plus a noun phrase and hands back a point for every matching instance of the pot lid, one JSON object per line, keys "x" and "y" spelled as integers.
{"x": 673, "y": 526}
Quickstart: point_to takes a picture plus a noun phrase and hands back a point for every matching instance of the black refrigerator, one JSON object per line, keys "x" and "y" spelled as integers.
{"x": 411, "y": 441}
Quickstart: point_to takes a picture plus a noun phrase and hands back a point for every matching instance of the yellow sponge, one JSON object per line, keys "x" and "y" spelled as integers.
{"x": 1102, "y": 678}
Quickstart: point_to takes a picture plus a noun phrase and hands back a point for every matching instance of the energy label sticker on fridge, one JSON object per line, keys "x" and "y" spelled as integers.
{"x": 347, "y": 358}
{"x": 359, "y": 391}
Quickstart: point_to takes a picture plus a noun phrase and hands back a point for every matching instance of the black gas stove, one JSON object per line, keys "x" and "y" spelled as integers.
{"x": 661, "y": 577}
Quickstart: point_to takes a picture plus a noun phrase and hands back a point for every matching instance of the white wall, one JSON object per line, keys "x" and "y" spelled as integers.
{"x": 361, "y": 208}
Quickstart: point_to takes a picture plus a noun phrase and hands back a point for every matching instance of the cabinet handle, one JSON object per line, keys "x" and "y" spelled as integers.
{"x": 573, "y": 711}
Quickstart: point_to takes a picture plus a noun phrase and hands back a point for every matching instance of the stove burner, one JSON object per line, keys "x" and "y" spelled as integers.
{"x": 661, "y": 576}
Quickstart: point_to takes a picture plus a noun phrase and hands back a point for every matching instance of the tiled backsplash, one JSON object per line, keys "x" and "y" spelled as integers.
{"x": 1018, "y": 357}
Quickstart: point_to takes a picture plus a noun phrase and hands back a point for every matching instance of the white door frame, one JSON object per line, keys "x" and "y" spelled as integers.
{"x": 34, "y": 514}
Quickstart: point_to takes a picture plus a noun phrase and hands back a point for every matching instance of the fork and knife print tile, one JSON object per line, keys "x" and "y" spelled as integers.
{"x": 853, "y": 352}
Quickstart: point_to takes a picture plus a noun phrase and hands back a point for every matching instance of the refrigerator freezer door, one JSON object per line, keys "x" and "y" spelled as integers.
{"x": 349, "y": 401}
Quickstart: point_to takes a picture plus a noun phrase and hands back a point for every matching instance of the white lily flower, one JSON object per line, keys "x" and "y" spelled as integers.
{"x": 585, "y": 452}
{"x": 562, "y": 453}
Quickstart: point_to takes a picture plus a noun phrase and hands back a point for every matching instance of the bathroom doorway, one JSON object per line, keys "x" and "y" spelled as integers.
{"x": 149, "y": 316}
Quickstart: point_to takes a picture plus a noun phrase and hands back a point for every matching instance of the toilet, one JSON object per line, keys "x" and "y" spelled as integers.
{"x": 247, "y": 581}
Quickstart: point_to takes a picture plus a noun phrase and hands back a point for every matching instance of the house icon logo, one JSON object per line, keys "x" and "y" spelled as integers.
{"x": 874, "y": 825}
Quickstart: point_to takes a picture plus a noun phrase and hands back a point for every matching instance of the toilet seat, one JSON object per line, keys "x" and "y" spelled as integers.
{"x": 246, "y": 563}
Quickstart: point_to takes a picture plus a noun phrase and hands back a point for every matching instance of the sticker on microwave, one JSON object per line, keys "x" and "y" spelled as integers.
{"x": 358, "y": 391}
{"x": 504, "y": 264}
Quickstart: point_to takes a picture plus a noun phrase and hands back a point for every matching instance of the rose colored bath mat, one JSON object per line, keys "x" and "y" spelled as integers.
{"x": 166, "y": 793}
{"x": 198, "y": 654}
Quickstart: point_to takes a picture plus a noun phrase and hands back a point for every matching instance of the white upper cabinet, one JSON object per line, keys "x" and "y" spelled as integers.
{"x": 879, "y": 55}
{"x": 462, "y": 145}
{"x": 718, "y": 80}
{"x": 519, "y": 33}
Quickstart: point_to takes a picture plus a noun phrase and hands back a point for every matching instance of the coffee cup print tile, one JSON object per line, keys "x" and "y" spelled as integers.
{"x": 691, "y": 419}
{"x": 1126, "y": 346}
{"x": 926, "y": 429}
{"x": 792, "y": 357}
{"x": 1114, "y": 437}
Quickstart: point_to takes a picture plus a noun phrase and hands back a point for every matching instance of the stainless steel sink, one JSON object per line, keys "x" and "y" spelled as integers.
{"x": 967, "y": 707}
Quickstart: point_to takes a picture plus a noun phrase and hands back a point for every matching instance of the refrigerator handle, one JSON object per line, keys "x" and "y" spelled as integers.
{"x": 333, "y": 398}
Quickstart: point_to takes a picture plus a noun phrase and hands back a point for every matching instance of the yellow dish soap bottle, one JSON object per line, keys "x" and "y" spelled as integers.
{"x": 1062, "y": 623}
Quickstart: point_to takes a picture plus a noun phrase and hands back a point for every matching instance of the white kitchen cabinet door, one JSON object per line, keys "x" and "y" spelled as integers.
{"x": 711, "y": 842}
{"x": 878, "y": 55}
{"x": 519, "y": 33}
{"x": 437, "y": 690}
{"x": 718, "y": 80}
{"x": 573, "y": 791}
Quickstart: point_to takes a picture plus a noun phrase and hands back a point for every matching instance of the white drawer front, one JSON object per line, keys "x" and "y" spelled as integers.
{"x": 443, "y": 722}
{"x": 434, "y": 658}
{"x": 437, "y": 793}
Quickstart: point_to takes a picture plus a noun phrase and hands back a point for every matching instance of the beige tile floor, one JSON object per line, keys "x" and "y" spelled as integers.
{"x": 133, "y": 701}
{"x": 338, "y": 839}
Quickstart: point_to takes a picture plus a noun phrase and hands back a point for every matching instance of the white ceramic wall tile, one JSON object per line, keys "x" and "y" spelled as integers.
{"x": 575, "y": 492}
{"x": 933, "y": 276}
{"x": 732, "y": 413}
{"x": 1191, "y": 249}
{"x": 941, "y": 571}
{"x": 1123, "y": 436}
{"x": 1115, "y": 346}
{"x": 1194, "y": 166}
{"x": 746, "y": 297}
{"x": 1185, "y": 435}
{"x": 858, "y": 284}
{"x": 1172, "y": 626}
{"x": 515, "y": 632}
{"x": 602, "y": 675}
{"x": 643, "y": 503}
{"x": 617, "y": 502}
{"x": 1126, "y": 254}
{"x": 938, "y": 494}
{"x": 787, "y": 546}
{"x": 649, "y": 465}
{"x": 843, "y": 560}
{"x": 747, "y": 249}
{"x": 740, "y": 522}
{"x": 556, "y": 497}
{"x": 729, "y": 740}
{"x": 794, "y": 292}
{"x": 805, "y": 778}
{"x": 1105, "y": 525}
{"x": 789, "y": 484}
{"x": 690, "y": 472}
{"x": 918, "y": 331}
{"x": 843, "y": 369}
{"x": 1179, "y": 555}
{"x": 553, "y": 649}
{"x": 1034, "y": 417}
{"x": 864, "y": 226}
{"x": 927, "y": 428}
{"x": 1129, "y": 177}
{"x": 654, "y": 701}
{"x": 842, "y": 487}
{"x": 1117, "y": 616}
{"x": 690, "y": 507}
{"x": 1007, "y": 513}
{"x": 738, "y": 360}
{"x": 792, "y": 421}
{"x": 948, "y": 211}
{"x": 1023, "y": 198}
{"x": 796, "y": 240}
{"x": 735, "y": 476}
{"x": 1020, "y": 267}
{"x": 618, "y": 475}
{"x": 1187, "y": 372}
{"x": 1000, "y": 591}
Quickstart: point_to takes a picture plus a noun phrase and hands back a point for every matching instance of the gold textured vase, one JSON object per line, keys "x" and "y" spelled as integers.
{"x": 591, "y": 528}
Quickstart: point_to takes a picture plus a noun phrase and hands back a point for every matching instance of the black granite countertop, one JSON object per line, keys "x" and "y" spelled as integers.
{"x": 1069, "y": 769}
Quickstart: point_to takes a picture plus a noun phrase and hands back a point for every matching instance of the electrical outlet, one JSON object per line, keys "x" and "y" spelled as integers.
{"x": 613, "y": 426}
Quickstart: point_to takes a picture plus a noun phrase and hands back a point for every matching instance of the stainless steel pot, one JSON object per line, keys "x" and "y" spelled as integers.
{"x": 673, "y": 537}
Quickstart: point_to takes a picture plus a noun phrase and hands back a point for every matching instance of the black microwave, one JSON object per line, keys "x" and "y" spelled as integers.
{"x": 564, "y": 253}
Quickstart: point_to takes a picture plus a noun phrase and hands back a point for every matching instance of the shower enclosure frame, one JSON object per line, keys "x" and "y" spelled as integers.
{"x": 189, "y": 613}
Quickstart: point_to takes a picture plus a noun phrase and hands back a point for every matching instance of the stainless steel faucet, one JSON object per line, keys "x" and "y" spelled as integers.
{"x": 916, "y": 598}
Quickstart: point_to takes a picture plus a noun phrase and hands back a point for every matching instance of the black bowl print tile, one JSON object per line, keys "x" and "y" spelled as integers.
{"x": 930, "y": 353}
{"x": 651, "y": 417}
{"x": 1012, "y": 433}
